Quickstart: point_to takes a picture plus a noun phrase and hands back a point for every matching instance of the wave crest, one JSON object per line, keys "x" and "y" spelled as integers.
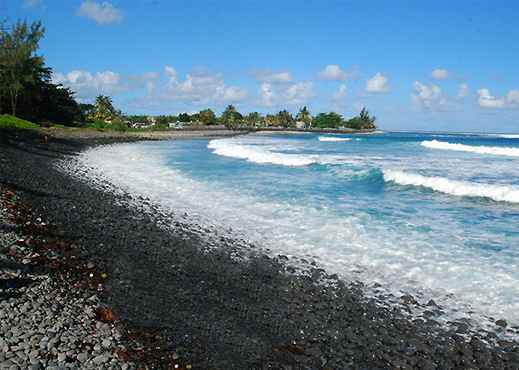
{"x": 435, "y": 144}
{"x": 329, "y": 138}
{"x": 258, "y": 154}
{"x": 458, "y": 188}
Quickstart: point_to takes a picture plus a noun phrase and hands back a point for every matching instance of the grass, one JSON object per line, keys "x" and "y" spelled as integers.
{"x": 8, "y": 121}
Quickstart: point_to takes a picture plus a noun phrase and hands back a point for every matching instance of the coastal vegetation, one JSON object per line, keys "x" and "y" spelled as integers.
{"x": 27, "y": 93}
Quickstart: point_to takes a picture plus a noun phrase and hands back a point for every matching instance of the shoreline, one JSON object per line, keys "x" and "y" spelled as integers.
{"x": 211, "y": 311}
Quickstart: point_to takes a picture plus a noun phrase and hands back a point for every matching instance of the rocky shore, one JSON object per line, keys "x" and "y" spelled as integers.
{"x": 90, "y": 281}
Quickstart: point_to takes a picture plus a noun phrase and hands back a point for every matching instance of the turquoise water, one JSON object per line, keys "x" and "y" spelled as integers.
{"x": 431, "y": 214}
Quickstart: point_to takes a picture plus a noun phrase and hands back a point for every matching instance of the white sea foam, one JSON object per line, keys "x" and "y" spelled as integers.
{"x": 435, "y": 144}
{"x": 457, "y": 188}
{"x": 331, "y": 138}
{"x": 258, "y": 154}
{"x": 505, "y": 136}
{"x": 406, "y": 247}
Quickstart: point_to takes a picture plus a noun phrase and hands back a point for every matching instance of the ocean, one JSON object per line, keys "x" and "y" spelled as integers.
{"x": 434, "y": 215}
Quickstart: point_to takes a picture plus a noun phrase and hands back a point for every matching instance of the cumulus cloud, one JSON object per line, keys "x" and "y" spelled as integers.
{"x": 201, "y": 87}
{"x": 486, "y": 100}
{"x": 333, "y": 72}
{"x": 269, "y": 77}
{"x": 88, "y": 85}
{"x": 295, "y": 94}
{"x": 432, "y": 99}
{"x": 102, "y": 13}
{"x": 341, "y": 94}
{"x": 463, "y": 91}
{"x": 143, "y": 79}
{"x": 512, "y": 98}
{"x": 441, "y": 74}
{"x": 378, "y": 85}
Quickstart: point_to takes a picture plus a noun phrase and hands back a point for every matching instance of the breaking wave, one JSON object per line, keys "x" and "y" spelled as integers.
{"x": 259, "y": 154}
{"x": 329, "y": 138}
{"x": 505, "y": 136}
{"x": 435, "y": 144}
{"x": 458, "y": 188}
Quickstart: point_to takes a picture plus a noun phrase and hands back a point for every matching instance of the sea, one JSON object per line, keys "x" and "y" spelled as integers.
{"x": 432, "y": 215}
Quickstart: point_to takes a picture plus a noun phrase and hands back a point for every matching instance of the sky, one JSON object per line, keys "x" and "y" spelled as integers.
{"x": 415, "y": 65}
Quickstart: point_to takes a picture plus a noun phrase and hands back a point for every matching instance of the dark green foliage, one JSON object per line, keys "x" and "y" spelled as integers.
{"x": 253, "y": 119}
{"x": 26, "y": 89}
{"x": 284, "y": 119}
{"x": 86, "y": 109}
{"x": 303, "y": 115}
{"x": 184, "y": 117}
{"x": 230, "y": 116}
{"x": 196, "y": 117}
{"x": 363, "y": 121}
{"x": 208, "y": 117}
{"x": 58, "y": 106}
{"x": 327, "y": 120}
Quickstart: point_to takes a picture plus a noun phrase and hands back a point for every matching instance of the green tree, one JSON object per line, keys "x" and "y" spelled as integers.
{"x": 208, "y": 117}
{"x": 284, "y": 118}
{"x": 103, "y": 109}
{"x": 57, "y": 105}
{"x": 184, "y": 117}
{"x": 21, "y": 68}
{"x": 196, "y": 117}
{"x": 230, "y": 116}
{"x": 86, "y": 108}
{"x": 253, "y": 119}
{"x": 328, "y": 120}
{"x": 363, "y": 121}
{"x": 303, "y": 115}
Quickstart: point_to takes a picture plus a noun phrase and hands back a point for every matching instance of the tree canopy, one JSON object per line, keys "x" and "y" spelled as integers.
{"x": 303, "y": 115}
{"x": 362, "y": 121}
{"x": 26, "y": 88}
{"x": 230, "y": 116}
{"x": 104, "y": 109}
{"x": 328, "y": 120}
{"x": 208, "y": 117}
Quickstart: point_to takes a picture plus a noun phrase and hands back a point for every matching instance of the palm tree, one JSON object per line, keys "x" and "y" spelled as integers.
{"x": 253, "y": 118}
{"x": 103, "y": 108}
{"x": 303, "y": 115}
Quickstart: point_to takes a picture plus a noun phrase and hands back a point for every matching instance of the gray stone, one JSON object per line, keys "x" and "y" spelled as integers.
{"x": 101, "y": 359}
{"x": 82, "y": 357}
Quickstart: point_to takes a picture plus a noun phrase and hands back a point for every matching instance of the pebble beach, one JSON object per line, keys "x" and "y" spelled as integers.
{"x": 89, "y": 281}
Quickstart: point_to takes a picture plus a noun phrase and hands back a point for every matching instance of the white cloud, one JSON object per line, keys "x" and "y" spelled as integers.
{"x": 441, "y": 74}
{"x": 143, "y": 79}
{"x": 431, "y": 98}
{"x": 269, "y": 77}
{"x": 299, "y": 94}
{"x": 88, "y": 85}
{"x": 341, "y": 94}
{"x": 296, "y": 94}
{"x": 463, "y": 91}
{"x": 102, "y": 13}
{"x": 332, "y": 72}
{"x": 378, "y": 85}
{"x": 266, "y": 95}
{"x": 512, "y": 98}
{"x": 201, "y": 87}
{"x": 486, "y": 100}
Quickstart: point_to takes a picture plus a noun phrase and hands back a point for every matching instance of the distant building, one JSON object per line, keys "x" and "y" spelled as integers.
{"x": 300, "y": 124}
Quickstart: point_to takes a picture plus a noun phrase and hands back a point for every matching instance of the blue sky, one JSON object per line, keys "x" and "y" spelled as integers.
{"x": 416, "y": 65}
